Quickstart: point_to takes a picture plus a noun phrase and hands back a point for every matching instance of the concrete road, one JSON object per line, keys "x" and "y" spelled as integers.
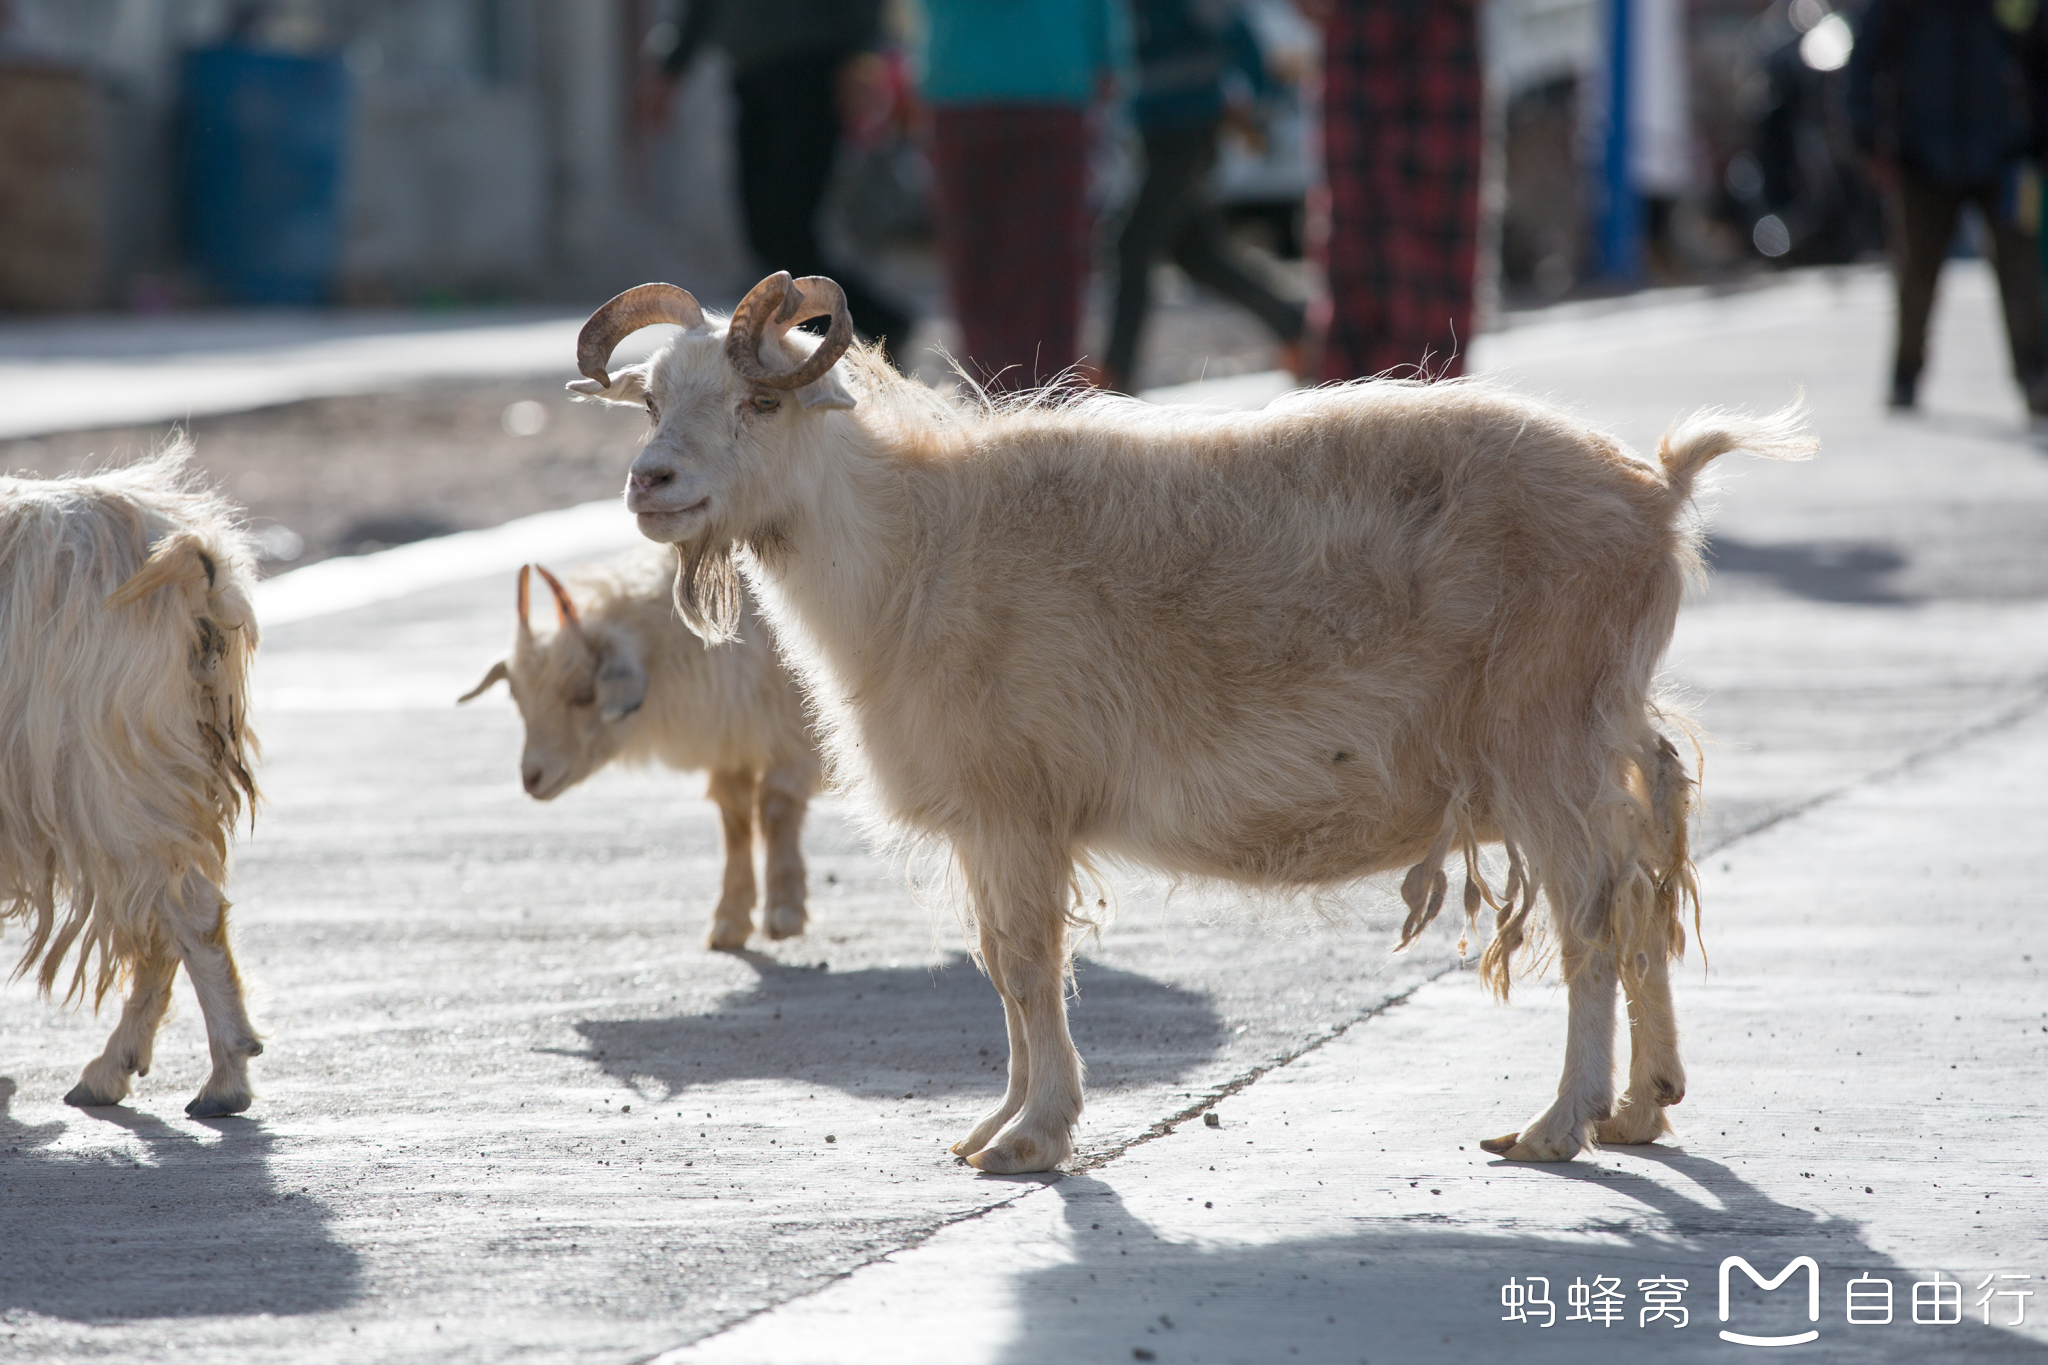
{"x": 510, "y": 1106}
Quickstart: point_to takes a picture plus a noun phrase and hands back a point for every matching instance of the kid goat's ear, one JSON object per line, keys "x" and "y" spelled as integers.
{"x": 497, "y": 674}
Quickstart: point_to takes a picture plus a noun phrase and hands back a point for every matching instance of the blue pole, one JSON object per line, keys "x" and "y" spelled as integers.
{"x": 1621, "y": 212}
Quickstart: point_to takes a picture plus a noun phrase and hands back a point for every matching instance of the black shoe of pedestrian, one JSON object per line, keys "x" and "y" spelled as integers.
{"x": 1905, "y": 393}
{"x": 2037, "y": 395}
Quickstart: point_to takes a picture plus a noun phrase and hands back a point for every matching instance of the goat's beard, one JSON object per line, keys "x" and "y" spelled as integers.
{"x": 708, "y": 589}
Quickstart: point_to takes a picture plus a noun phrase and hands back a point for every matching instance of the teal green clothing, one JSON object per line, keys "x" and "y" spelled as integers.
{"x": 1022, "y": 51}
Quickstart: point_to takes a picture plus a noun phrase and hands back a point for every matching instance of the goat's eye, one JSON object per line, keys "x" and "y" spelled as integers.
{"x": 586, "y": 697}
{"x": 764, "y": 402}
{"x": 653, "y": 413}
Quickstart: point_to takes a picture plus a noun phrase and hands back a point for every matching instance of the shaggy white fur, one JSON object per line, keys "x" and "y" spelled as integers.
{"x": 125, "y": 754}
{"x": 1360, "y": 630}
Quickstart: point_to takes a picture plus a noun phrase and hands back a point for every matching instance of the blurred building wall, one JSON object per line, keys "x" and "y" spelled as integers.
{"x": 492, "y": 153}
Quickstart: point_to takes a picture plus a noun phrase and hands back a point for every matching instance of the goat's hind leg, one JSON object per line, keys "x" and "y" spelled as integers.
{"x": 133, "y": 1042}
{"x": 1585, "y": 1094}
{"x": 1656, "y": 1077}
{"x": 200, "y": 926}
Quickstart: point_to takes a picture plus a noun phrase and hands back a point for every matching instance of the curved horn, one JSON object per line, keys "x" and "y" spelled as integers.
{"x": 643, "y": 305}
{"x": 565, "y": 610}
{"x": 779, "y": 303}
{"x": 525, "y": 573}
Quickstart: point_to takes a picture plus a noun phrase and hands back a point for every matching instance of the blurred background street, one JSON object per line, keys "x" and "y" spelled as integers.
{"x": 510, "y": 1106}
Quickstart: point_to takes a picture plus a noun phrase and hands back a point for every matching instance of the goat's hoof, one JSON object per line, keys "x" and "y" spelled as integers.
{"x": 728, "y": 938}
{"x": 785, "y": 921}
{"x": 1500, "y": 1146}
{"x": 1632, "y": 1126}
{"x": 1522, "y": 1147}
{"x": 83, "y": 1096}
{"x": 1667, "y": 1092}
{"x": 205, "y": 1106}
{"x": 1016, "y": 1155}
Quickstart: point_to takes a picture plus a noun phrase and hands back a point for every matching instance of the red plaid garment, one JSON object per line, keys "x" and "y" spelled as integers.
{"x": 1402, "y": 92}
{"x": 1012, "y": 183}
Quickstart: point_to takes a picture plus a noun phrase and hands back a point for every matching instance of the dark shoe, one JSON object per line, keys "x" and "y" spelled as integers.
{"x": 1905, "y": 392}
{"x": 2037, "y": 395}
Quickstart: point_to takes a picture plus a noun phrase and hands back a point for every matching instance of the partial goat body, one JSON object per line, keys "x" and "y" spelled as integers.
{"x": 621, "y": 680}
{"x": 1355, "y": 632}
{"x": 125, "y": 641}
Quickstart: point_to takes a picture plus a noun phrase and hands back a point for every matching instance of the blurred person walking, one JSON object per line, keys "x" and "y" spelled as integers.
{"x": 1396, "y": 225}
{"x": 1946, "y": 100}
{"x": 1186, "y": 49}
{"x": 1011, "y": 87}
{"x": 793, "y": 63}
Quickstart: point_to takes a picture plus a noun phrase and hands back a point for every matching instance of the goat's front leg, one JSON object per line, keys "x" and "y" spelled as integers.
{"x": 1656, "y": 1077}
{"x": 782, "y": 803}
{"x": 133, "y": 1041}
{"x": 1018, "y": 900}
{"x": 1585, "y": 1094}
{"x": 1020, "y": 1056}
{"x": 733, "y": 920}
{"x": 200, "y": 928}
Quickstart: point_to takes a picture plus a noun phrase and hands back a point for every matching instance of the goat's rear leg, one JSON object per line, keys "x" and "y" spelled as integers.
{"x": 133, "y": 1041}
{"x": 733, "y": 921}
{"x": 1585, "y": 1094}
{"x": 200, "y": 928}
{"x": 1656, "y": 1077}
{"x": 782, "y": 805}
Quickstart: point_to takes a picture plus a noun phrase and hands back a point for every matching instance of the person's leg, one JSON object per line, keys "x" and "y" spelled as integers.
{"x": 1437, "y": 230}
{"x": 1175, "y": 161}
{"x": 2016, "y": 254}
{"x": 788, "y": 137}
{"x": 1923, "y": 220}
{"x": 1204, "y": 250}
{"x": 1349, "y": 229}
{"x": 1012, "y": 194}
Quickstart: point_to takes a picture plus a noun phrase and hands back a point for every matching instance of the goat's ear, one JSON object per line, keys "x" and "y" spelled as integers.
{"x": 621, "y": 685}
{"x": 629, "y": 388}
{"x": 498, "y": 674}
{"x": 828, "y": 390}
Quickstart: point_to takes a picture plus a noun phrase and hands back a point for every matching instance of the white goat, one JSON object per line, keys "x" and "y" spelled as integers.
{"x": 125, "y": 641}
{"x": 1368, "y": 627}
{"x": 621, "y": 680}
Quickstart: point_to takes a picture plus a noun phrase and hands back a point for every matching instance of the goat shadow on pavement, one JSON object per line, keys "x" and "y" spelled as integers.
{"x": 896, "y": 1030}
{"x": 195, "y": 1229}
{"x": 1417, "y": 1287}
{"x": 1819, "y": 571}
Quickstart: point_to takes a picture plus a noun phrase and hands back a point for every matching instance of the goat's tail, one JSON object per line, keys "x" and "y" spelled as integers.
{"x": 1686, "y": 447}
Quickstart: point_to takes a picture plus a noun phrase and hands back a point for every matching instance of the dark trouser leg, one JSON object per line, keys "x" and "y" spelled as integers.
{"x": 1175, "y": 162}
{"x": 1205, "y": 251}
{"x": 788, "y": 135}
{"x": 1923, "y": 224}
{"x": 2017, "y": 257}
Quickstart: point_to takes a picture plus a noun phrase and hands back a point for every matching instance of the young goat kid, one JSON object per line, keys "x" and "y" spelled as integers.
{"x": 621, "y": 680}
{"x": 125, "y": 641}
{"x": 1364, "y": 629}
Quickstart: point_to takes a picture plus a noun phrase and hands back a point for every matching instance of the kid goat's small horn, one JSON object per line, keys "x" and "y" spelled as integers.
{"x": 777, "y": 304}
{"x": 643, "y": 305}
{"x": 565, "y": 610}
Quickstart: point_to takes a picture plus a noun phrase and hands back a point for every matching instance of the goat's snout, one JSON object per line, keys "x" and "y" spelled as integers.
{"x": 647, "y": 480}
{"x": 531, "y": 776}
